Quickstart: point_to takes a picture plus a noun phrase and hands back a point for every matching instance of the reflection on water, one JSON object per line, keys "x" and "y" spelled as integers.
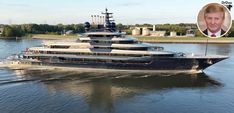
{"x": 220, "y": 49}
{"x": 101, "y": 90}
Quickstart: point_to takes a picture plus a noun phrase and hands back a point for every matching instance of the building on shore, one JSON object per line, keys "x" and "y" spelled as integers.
{"x": 69, "y": 32}
{"x": 158, "y": 33}
{"x": 151, "y": 31}
{"x": 136, "y": 31}
{"x": 1, "y": 31}
{"x": 190, "y": 33}
{"x": 147, "y": 31}
{"x": 173, "y": 34}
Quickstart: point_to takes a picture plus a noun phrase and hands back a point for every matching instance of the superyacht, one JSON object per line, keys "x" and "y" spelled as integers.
{"x": 103, "y": 47}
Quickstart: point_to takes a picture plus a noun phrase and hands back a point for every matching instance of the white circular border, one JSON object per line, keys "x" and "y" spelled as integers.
{"x": 229, "y": 25}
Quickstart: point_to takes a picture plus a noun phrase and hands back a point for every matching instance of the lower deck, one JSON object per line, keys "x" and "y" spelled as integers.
{"x": 154, "y": 63}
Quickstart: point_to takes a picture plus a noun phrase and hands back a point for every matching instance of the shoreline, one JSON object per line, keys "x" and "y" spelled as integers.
{"x": 190, "y": 42}
{"x": 183, "y": 40}
{"x": 147, "y": 39}
{"x": 187, "y": 40}
{"x": 53, "y": 37}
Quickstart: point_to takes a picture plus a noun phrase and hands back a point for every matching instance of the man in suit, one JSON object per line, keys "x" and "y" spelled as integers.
{"x": 214, "y": 16}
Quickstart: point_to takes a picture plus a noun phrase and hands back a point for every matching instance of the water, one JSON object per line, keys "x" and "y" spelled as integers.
{"x": 56, "y": 91}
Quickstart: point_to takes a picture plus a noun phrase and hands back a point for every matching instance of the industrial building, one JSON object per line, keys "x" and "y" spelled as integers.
{"x": 151, "y": 31}
{"x": 147, "y": 31}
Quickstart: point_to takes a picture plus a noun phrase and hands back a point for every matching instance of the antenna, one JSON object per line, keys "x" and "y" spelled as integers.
{"x": 92, "y": 19}
{"x": 95, "y": 20}
{"x": 98, "y": 19}
{"x": 103, "y": 22}
{"x": 108, "y": 24}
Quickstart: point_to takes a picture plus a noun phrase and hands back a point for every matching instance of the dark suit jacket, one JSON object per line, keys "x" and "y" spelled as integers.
{"x": 206, "y": 32}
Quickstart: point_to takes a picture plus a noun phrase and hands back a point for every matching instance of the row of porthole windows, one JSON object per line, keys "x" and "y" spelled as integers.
{"x": 87, "y": 60}
{"x": 87, "y": 53}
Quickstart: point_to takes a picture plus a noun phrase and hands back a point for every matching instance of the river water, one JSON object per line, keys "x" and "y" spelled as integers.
{"x": 55, "y": 91}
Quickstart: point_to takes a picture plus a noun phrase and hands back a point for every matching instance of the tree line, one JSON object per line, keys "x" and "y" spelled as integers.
{"x": 25, "y": 29}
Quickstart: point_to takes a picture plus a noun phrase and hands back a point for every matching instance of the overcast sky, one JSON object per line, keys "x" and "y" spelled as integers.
{"x": 79, "y": 11}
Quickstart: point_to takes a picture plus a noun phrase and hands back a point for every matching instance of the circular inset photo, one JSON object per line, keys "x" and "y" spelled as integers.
{"x": 214, "y": 20}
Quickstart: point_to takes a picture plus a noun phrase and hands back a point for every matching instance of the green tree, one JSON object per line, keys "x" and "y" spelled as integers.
{"x": 119, "y": 26}
{"x": 12, "y": 31}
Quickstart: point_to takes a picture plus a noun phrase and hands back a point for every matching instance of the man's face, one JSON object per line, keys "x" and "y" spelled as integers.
{"x": 214, "y": 21}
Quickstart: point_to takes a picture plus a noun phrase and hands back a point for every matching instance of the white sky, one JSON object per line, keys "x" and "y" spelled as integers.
{"x": 79, "y": 11}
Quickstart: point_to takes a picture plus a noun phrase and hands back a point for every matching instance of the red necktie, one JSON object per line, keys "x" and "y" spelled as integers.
{"x": 213, "y": 35}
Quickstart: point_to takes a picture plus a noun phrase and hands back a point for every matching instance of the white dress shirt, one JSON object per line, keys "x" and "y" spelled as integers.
{"x": 217, "y": 34}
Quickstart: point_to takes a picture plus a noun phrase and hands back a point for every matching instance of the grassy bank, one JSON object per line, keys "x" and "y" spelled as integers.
{"x": 147, "y": 39}
{"x": 48, "y": 36}
{"x": 185, "y": 39}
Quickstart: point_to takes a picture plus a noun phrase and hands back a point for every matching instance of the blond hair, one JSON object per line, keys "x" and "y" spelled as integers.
{"x": 213, "y": 8}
